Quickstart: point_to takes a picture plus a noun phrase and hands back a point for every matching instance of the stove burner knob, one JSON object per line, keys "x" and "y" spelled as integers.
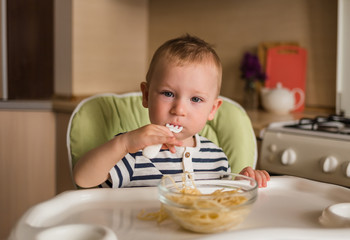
{"x": 329, "y": 164}
{"x": 347, "y": 170}
{"x": 273, "y": 148}
{"x": 288, "y": 157}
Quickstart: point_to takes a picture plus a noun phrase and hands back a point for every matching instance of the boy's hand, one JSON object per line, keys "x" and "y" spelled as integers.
{"x": 261, "y": 176}
{"x": 150, "y": 135}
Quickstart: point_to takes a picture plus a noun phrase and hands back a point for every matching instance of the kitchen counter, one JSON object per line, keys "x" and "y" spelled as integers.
{"x": 26, "y": 105}
{"x": 65, "y": 106}
{"x": 261, "y": 119}
{"x": 57, "y": 105}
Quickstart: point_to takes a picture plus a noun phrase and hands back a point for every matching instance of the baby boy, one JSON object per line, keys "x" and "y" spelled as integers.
{"x": 182, "y": 90}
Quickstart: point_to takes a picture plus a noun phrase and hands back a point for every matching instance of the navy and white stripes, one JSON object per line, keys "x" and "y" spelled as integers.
{"x": 136, "y": 170}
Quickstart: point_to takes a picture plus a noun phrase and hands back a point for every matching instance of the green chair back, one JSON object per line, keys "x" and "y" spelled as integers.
{"x": 99, "y": 118}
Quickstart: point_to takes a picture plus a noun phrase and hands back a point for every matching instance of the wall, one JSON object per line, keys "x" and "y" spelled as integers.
{"x": 106, "y": 45}
{"x": 236, "y": 26}
{"x": 101, "y": 46}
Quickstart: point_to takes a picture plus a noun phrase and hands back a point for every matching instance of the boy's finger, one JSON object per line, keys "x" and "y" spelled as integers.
{"x": 171, "y": 148}
{"x": 263, "y": 178}
{"x": 173, "y": 141}
{"x": 171, "y": 145}
{"x": 251, "y": 172}
{"x": 259, "y": 179}
{"x": 164, "y": 130}
{"x": 267, "y": 175}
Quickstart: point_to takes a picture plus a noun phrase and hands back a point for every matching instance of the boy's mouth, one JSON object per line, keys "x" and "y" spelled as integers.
{"x": 174, "y": 128}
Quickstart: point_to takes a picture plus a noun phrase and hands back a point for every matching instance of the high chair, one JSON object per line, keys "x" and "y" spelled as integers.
{"x": 99, "y": 118}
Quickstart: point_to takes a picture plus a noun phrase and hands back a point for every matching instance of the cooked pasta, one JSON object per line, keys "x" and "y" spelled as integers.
{"x": 207, "y": 213}
{"x": 158, "y": 216}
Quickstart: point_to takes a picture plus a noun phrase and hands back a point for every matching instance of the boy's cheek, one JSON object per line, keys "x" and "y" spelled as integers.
{"x": 156, "y": 116}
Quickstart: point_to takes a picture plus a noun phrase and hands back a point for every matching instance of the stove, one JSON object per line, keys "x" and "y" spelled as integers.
{"x": 314, "y": 148}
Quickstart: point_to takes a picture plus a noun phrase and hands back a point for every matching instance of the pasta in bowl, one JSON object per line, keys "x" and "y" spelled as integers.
{"x": 207, "y": 202}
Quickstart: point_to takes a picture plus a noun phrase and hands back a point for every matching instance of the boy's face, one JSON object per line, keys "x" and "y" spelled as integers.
{"x": 182, "y": 95}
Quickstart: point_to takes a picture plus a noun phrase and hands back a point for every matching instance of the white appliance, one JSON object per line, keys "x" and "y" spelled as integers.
{"x": 316, "y": 149}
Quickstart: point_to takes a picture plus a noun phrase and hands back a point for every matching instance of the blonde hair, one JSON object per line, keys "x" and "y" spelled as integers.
{"x": 185, "y": 49}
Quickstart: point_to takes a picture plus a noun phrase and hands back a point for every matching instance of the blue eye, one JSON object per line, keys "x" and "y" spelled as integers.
{"x": 168, "y": 94}
{"x": 196, "y": 99}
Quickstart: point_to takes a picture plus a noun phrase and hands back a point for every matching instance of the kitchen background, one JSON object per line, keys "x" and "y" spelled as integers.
{"x": 61, "y": 51}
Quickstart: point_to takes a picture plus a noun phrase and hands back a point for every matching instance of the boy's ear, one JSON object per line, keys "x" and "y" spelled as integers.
{"x": 144, "y": 90}
{"x": 216, "y": 105}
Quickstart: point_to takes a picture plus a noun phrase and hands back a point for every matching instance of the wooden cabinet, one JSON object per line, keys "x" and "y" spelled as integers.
{"x": 30, "y": 53}
{"x": 27, "y": 163}
{"x": 64, "y": 180}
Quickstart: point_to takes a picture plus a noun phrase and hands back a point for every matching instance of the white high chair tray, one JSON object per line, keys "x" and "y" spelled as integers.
{"x": 289, "y": 208}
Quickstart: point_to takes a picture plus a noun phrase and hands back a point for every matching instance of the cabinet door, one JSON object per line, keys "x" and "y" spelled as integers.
{"x": 30, "y": 49}
{"x": 27, "y": 163}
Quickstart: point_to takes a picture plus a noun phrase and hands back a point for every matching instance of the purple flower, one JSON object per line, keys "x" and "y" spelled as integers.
{"x": 251, "y": 68}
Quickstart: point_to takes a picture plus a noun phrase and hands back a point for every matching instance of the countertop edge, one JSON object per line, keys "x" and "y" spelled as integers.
{"x": 44, "y": 105}
{"x": 39, "y": 105}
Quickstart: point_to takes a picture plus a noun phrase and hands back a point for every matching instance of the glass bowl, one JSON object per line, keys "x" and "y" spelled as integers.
{"x": 207, "y": 202}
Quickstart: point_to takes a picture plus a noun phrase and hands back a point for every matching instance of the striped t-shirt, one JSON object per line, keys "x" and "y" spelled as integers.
{"x": 135, "y": 170}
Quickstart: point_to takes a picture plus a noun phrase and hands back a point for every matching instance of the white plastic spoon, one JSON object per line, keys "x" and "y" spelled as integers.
{"x": 153, "y": 150}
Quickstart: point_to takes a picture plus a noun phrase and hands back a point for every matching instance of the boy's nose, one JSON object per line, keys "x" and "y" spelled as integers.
{"x": 178, "y": 108}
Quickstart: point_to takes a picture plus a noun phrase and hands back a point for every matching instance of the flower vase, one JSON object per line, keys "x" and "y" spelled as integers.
{"x": 250, "y": 99}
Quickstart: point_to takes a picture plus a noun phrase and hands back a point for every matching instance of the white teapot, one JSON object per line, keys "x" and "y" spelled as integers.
{"x": 281, "y": 100}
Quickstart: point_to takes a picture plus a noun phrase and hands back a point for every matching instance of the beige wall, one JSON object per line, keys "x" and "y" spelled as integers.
{"x": 101, "y": 46}
{"x": 236, "y": 26}
{"x": 63, "y": 47}
{"x": 109, "y": 43}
